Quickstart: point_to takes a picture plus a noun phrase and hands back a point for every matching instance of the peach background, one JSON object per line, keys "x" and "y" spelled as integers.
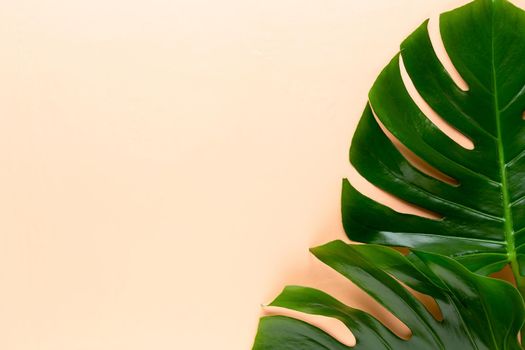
{"x": 167, "y": 163}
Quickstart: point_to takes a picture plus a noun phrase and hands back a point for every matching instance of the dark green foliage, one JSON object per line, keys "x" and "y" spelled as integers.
{"x": 481, "y": 208}
{"x": 478, "y": 312}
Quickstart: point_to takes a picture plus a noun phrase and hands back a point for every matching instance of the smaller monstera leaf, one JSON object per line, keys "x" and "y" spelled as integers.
{"x": 478, "y": 312}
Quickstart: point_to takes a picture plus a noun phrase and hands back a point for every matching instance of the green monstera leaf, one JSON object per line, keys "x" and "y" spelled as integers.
{"x": 478, "y": 312}
{"x": 477, "y": 196}
{"x": 482, "y": 211}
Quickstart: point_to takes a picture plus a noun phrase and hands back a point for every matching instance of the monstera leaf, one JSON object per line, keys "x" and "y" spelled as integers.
{"x": 480, "y": 199}
{"x": 478, "y": 312}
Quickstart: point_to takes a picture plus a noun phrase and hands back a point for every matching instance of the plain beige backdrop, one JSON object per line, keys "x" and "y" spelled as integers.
{"x": 165, "y": 164}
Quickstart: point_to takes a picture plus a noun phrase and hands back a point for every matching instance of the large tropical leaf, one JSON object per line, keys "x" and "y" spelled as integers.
{"x": 478, "y": 312}
{"x": 483, "y": 210}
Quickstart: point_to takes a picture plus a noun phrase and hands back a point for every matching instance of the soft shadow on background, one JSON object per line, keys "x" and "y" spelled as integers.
{"x": 167, "y": 164}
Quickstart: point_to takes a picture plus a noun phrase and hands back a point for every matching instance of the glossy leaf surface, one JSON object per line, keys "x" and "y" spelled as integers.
{"x": 482, "y": 207}
{"x": 478, "y": 312}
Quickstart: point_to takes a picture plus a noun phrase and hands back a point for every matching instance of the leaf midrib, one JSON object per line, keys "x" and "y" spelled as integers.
{"x": 508, "y": 222}
{"x": 507, "y": 214}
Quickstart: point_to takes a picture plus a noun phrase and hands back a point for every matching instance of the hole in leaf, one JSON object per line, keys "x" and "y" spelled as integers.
{"x": 453, "y": 133}
{"x": 403, "y": 250}
{"x": 332, "y": 326}
{"x": 442, "y": 54}
{"x": 416, "y": 161}
{"x": 505, "y": 274}
{"x": 387, "y": 199}
{"x": 427, "y": 301}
